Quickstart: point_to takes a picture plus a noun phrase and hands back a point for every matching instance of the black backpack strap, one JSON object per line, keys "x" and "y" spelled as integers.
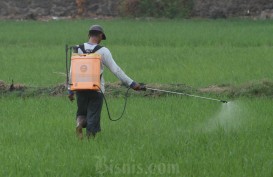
{"x": 98, "y": 47}
{"x": 81, "y": 46}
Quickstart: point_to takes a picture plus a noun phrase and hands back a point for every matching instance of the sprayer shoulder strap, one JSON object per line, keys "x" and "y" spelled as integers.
{"x": 98, "y": 47}
{"x": 81, "y": 46}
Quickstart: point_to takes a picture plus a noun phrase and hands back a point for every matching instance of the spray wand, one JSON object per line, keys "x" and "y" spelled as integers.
{"x": 180, "y": 93}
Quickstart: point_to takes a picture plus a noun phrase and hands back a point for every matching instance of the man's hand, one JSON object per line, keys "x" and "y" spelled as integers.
{"x": 71, "y": 95}
{"x": 136, "y": 86}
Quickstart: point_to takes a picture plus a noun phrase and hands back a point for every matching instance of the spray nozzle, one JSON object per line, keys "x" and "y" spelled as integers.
{"x": 142, "y": 86}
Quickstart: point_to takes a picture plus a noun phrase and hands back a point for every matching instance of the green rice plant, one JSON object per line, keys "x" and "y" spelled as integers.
{"x": 167, "y": 136}
{"x": 194, "y": 52}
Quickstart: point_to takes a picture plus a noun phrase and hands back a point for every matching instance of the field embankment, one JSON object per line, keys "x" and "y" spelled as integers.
{"x": 252, "y": 89}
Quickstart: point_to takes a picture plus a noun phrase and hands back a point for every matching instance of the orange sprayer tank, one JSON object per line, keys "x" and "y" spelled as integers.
{"x": 85, "y": 71}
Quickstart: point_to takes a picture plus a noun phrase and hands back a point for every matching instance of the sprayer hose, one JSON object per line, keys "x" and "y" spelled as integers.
{"x": 107, "y": 108}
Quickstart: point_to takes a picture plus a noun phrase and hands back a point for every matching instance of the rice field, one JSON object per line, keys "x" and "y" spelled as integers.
{"x": 158, "y": 136}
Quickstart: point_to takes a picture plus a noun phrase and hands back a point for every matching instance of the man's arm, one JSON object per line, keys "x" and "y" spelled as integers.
{"x": 109, "y": 62}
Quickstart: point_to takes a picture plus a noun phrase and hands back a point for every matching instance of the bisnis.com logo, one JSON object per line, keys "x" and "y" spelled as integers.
{"x": 105, "y": 166}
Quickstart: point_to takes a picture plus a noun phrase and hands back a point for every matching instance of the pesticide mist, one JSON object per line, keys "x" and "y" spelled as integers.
{"x": 229, "y": 118}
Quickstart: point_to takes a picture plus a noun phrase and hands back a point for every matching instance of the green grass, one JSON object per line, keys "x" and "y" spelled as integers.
{"x": 38, "y": 140}
{"x": 194, "y": 52}
{"x": 161, "y": 136}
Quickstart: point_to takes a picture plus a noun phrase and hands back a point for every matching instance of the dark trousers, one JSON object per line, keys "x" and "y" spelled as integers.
{"x": 90, "y": 104}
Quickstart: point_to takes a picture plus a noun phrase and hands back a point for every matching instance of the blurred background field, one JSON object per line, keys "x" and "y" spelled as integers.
{"x": 193, "y": 52}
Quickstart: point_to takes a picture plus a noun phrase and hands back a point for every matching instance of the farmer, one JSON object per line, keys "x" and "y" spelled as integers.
{"x": 90, "y": 102}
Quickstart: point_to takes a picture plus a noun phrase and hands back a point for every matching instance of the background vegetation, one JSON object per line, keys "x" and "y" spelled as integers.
{"x": 156, "y": 8}
{"x": 194, "y": 52}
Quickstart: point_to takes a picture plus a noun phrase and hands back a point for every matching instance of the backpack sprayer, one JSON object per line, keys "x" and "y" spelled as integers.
{"x": 85, "y": 75}
{"x": 84, "y": 70}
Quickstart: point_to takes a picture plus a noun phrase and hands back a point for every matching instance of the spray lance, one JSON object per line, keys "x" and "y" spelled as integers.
{"x": 144, "y": 88}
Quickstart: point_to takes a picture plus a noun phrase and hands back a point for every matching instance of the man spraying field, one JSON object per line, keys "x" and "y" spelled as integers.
{"x": 89, "y": 101}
